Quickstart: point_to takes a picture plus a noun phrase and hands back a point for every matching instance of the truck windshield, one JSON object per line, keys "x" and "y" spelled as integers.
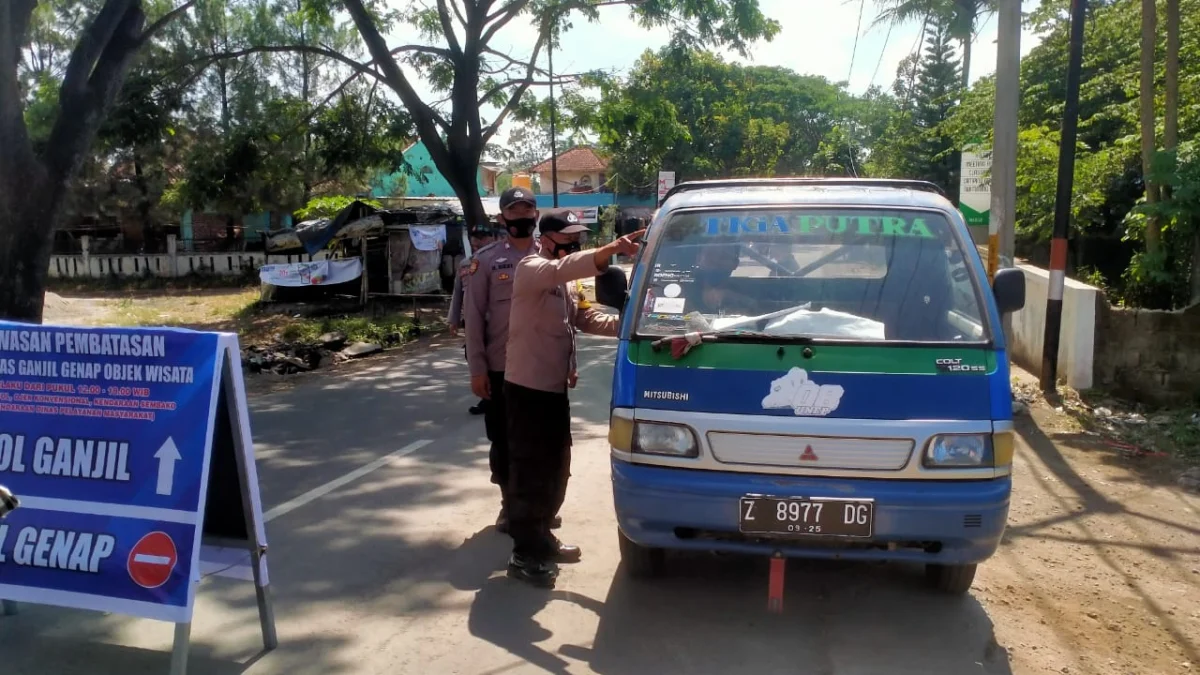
{"x": 879, "y": 275}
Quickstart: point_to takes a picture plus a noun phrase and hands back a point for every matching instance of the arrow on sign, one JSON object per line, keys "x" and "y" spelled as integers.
{"x": 167, "y": 455}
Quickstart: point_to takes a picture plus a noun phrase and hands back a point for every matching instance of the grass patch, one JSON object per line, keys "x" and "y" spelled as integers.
{"x": 1172, "y": 431}
{"x": 387, "y": 329}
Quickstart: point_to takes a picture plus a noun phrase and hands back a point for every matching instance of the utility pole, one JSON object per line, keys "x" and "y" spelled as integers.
{"x": 1003, "y": 212}
{"x": 1062, "y": 201}
{"x": 1002, "y": 223}
{"x": 553, "y": 124}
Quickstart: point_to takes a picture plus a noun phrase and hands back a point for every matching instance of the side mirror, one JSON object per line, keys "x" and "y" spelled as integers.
{"x": 612, "y": 288}
{"x": 1009, "y": 288}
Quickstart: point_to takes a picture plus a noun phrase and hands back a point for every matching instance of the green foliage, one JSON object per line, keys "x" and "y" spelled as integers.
{"x": 1108, "y": 217}
{"x": 692, "y": 112}
{"x": 328, "y": 207}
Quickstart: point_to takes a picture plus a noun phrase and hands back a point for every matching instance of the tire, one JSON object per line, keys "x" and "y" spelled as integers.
{"x": 640, "y": 562}
{"x": 953, "y": 579}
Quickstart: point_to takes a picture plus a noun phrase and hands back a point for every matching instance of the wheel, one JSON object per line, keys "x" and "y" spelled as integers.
{"x": 954, "y": 579}
{"x": 640, "y": 562}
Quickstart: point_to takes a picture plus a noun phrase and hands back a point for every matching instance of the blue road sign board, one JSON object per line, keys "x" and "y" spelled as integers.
{"x": 106, "y": 436}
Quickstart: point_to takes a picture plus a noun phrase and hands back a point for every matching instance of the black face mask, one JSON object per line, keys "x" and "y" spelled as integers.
{"x": 520, "y": 227}
{"x": 567, "y": 249}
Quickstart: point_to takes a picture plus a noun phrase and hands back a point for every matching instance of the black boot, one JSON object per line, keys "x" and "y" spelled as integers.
{"x": 532, "y": 572}
{"x": 566, "y": 553}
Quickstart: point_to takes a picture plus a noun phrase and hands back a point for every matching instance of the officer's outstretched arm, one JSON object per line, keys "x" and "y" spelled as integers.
{"x": 592, "y": 322}
{"x": 535, "y": 273}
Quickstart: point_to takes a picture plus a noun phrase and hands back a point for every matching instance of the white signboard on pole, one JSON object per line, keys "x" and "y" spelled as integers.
{"x": 666, "y": 181}
{"x": 975, "y": 185}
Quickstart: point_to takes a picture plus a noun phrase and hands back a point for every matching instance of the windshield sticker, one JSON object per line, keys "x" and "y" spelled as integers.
{"x": 802, "y": 395}
{"x": 672, "y": 290}
{"x": 669, "y": 305}
{"x": 812, "y": 224}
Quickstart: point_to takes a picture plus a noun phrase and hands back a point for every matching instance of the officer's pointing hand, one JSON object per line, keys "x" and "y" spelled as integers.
{"x": 630, "y": 243}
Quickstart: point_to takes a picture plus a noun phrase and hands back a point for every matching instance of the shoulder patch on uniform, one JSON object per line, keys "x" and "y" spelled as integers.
{"x": 474, "y": 266}
{"x": 486, "y": 248}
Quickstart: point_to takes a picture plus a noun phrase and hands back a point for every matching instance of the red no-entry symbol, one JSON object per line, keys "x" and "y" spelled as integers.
{"x": 152, "y": 560}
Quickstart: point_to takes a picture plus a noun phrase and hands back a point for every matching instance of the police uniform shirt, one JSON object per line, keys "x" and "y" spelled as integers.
{"x": 488, "y": 295}
{"x": 547, "y": 310}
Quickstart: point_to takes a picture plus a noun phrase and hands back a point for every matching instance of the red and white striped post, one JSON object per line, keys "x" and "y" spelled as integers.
{"x": 1062, "y": 202}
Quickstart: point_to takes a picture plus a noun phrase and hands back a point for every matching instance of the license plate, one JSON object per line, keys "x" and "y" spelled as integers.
{"x": 818, "y": 516}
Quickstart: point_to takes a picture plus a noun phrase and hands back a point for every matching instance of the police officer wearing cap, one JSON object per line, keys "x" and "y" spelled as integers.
{"x": 547, "y": 311}
{"x": 489, "y": 288}
{"x": 480, "y": 237}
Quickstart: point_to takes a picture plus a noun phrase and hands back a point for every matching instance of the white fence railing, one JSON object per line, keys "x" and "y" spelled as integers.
{"x": 170, "y": 264}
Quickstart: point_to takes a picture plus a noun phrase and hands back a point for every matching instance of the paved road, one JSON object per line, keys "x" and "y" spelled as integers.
{"x": 401, "y": 571}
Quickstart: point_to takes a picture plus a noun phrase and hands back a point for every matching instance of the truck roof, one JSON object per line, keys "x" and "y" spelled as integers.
{"x": 831, "y": 192}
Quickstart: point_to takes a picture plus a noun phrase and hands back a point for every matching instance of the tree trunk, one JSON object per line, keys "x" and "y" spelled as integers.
{"x": 144, "y": 201}
{"x": 28, "y": 213}
{"x": 305, "y": 95}
{"x": 966, "y": 67}
{"x": 1149, "y": 27}
{"x": 464, "y": 178}
{"x": 1171, "y": 120}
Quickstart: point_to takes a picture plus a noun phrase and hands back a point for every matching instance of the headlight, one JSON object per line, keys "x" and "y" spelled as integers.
{"x": 956, "y": 451}
{"x": 653, "y": 438}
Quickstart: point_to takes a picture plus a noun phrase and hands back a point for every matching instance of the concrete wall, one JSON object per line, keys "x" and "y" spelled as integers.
{"x": 1077, "y": 340}
{"x": 1149, "y": 355}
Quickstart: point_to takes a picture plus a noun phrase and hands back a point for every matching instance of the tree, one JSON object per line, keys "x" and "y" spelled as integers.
{"x": 690, "y": 111}
{"x": 33, "y": 181}
{"x": 935, "y": 99}
{"x": 1149, "y": 119}
{"x": 918, "y": 142}
{"x": 960, "y": 17}
{"x": 474, "y": 74}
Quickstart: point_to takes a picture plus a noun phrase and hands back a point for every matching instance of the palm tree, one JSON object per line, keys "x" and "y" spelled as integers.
{"x": 961, "y": 17}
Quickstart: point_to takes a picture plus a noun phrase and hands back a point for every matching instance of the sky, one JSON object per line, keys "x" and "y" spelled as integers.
{"x": 817, "y": 37}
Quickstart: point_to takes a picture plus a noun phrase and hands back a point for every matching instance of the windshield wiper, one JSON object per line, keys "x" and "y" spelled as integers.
{"x": 730, "y": 335}
{"x": 737, "y": 334}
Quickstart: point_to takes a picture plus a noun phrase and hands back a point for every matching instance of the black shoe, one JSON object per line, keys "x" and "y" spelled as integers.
{"x": 567, "y": 553}
{"x": 479, "y": 408}
{"x": 502, "y": 522}
{"x": 556, "y": 523}
{"x": 533, "y": 572}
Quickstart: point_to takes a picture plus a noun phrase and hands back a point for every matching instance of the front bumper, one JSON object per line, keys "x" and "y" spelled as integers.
{"x": 932, "y": 521}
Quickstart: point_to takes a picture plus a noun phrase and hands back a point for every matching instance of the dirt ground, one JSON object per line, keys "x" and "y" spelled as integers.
{"x": 1100, "y": 568}
{"x": 1099, "y": 571}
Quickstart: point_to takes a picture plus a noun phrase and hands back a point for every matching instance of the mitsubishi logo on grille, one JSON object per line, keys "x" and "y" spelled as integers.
{"x": 809, "y": 455}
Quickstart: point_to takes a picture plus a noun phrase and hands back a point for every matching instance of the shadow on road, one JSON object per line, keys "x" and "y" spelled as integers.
{"x": 709, "y": 616}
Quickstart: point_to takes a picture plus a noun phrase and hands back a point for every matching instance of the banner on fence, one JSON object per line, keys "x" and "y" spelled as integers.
{"x": 315, "y": 273}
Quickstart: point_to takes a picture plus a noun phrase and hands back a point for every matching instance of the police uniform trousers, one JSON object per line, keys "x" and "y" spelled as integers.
{"x": 539, "y": 437}
{"x": 495, "y": 423}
